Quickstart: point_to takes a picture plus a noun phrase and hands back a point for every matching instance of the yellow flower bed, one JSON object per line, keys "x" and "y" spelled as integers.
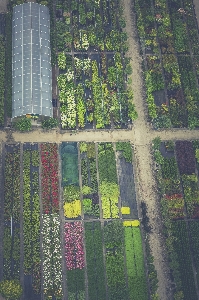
{"x": 125, "y": 210}
{"x": 110, "y": 208}
{"x": 72, "y": 209}
{"x": 134, "y": 223}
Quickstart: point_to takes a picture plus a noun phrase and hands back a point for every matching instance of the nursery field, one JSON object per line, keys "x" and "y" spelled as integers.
{"x": 169, "y": 38}
{"x": 70, "y": 221}
{"x": 177, "y": 166}
{"x": 89, "y": 45}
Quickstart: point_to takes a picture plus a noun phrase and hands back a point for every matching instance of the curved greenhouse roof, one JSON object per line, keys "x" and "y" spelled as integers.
{"x": 31, "y": 61}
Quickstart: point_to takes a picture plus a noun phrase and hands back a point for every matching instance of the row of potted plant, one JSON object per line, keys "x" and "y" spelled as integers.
{"x": 89, "y": 180}
{"x": 31, "y": 217}
{"x": 114, "y": 260}
{"x": 94, "y": 260}
{"x": 49, "y": 178}
{"x": 52, "y": 257}
{"x": 74, "y": 250}
{"x": 109, "y": 188}
{"x": 137, "y": 285}
{"x": 74, "y": 259}
{"x": 11, "y": 237}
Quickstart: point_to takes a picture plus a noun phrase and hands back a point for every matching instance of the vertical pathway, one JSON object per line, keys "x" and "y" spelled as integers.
{"x": 145, "y": 183}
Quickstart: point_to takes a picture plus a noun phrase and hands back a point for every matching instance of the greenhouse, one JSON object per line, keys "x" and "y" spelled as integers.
{"x": 31, "y": 61}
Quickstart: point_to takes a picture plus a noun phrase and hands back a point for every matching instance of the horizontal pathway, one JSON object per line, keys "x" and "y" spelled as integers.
{"x": 136, "y": 136}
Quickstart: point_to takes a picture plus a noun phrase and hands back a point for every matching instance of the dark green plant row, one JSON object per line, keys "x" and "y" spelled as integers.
{"x": 31, "y": 217}
{"x": 165, "y": 29}
{"x": 11, "y": 239}
{"x": 95, "y": 261}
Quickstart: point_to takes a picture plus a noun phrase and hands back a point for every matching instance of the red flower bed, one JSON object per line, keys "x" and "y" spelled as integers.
{"x": 185, "y": 157}
{"x": 49, "y": 178}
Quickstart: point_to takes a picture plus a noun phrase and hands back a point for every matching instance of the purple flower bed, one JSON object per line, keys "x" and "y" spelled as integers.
{"x": 74, "y": 250}
{"x": 185, "y": 157}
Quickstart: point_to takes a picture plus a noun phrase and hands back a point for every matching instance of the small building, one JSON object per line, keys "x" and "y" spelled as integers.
{"x": 31, "y": 61}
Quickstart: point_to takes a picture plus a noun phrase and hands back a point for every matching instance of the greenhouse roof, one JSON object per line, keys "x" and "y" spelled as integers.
{"x": 31, "y": 61}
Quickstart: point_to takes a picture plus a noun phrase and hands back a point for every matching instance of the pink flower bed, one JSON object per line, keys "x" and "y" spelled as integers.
{"x": 49, "y": 178}
{"x": 74, "y": 251}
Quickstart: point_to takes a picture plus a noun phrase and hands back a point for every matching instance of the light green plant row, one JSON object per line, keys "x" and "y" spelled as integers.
{"x": 137, "y": 286}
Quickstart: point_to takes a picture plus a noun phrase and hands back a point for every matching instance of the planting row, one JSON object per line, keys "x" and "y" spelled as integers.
{"x": 177, "y": 176}
{"x": 169, "y": 40}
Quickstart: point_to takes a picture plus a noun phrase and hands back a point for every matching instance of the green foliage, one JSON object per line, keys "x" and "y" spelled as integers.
{"x": 113, "y": 239}
{"x": 162, "y": 121}
{"x": 83, "y": 147}
{"x": 169, "y": 168}
{"x": 49, "y": 123}
{"x": 86, "y": 190}
{"x": 91, "y": 150}
{"x": 197, "y": 155}
{"x": 89, "y": 208}
{"x": 71, "y": 193}
{"x": 158, "y": 157}
{"x": 126, "y": 149}
{"x": 113, "y": 234}
{"x": 152, "y": 273}
{"x": 76, "y": 284}
{"x": 61, "y": 61}
{"x": 128, "y": 69}
{"x": 135, "y": 264}
{"x": 23, "y": 124}
{"x": 10, "y": 289}
{"x": 106, "y": 161}
{"x": 156, "y": 143}
{"x": 95, "y": 267}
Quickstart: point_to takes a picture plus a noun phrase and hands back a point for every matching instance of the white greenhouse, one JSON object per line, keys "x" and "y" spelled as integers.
{"x": 31, "y": 61}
